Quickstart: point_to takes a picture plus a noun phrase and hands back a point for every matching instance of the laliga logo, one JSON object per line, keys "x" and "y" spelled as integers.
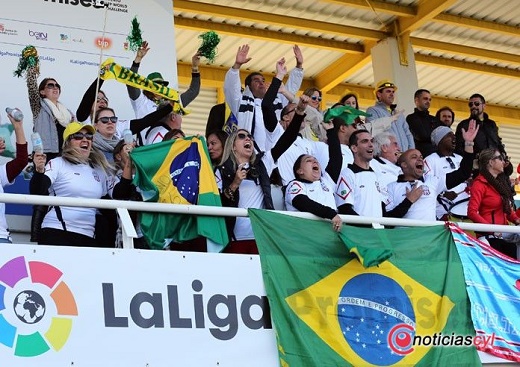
{"x": 400, "y": 339}
{"x": 36, "y": 307}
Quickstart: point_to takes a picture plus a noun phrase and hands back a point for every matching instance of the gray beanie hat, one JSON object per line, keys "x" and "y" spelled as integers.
{"x": 439, "y": 133}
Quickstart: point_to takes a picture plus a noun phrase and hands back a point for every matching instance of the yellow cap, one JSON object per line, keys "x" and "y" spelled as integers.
{"x": 74, "y": 127}
{"x": 385, "y": 83}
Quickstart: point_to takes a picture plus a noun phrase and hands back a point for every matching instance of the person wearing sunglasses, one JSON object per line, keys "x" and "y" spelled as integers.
{"x": 453, "y": 202}
{"x": 491, "y": 201}
{"x": 487, "y": 136}
{"x": 80, "y": 172}
{"x": 243, "y": 177}
{"x": 50, "y": 116}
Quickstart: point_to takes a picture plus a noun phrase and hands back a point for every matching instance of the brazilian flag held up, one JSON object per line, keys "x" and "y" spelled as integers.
{"x": 329, "y": 310}
{"x": 178, "y": 172}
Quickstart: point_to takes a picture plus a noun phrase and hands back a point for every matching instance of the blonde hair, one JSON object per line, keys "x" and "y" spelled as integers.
{"x": 95, "y": 158}
{"x": 229, "y": 153}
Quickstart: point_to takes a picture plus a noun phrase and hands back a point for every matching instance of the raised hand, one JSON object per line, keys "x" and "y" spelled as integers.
{"x": 141, "y": 52}
{"x": 195, "y": 61}
{"x": 299, "y": 56}
{"x": 241, "y": 57}
{"x": 281, "y": 69}
{"x": 39, "y": 162}
{"x": 302, "y": 104}
{"x": 470, "y": 135}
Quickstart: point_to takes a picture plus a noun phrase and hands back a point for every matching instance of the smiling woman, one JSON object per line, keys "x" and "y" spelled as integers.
{"x": 81, "y": 172}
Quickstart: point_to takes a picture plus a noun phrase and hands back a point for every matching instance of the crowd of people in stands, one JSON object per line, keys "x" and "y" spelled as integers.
{"x": 272, "y": 150}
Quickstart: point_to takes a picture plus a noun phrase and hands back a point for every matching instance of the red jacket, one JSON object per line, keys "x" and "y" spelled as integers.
{"x": 485, "y": 204}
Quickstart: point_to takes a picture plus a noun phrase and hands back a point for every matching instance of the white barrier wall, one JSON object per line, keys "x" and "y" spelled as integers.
{"x": 68, "y": 36}
{"x": 64, "y": 306}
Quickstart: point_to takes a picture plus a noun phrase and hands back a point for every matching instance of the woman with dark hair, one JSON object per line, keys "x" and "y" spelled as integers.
{"x": 313, "y": 192}
{"x": 491, "y": 200}
{"x": 50, "y": 116}
{"x": 351, "y": 99}
{"x": 216, "y": 141}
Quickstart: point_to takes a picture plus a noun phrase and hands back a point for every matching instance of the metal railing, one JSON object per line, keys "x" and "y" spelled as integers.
{"x": 122, "y": 207}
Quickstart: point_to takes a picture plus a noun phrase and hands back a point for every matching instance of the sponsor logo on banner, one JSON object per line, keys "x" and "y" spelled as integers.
{"x": 113, "y": 5}
{"x": 37, "y": 307}
{"x": 39, "y": 36}
{"x": 103, "y": 42}
{"x": 64, "y": 37}
{"x": 7, "y": 31}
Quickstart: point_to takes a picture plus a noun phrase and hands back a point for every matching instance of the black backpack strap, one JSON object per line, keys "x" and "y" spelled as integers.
{"x": 60, "y": 217}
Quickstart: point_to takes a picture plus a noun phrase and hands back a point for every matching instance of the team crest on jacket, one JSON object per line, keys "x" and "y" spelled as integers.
{"x": 295, "y": 188}
{"x": 343, "y": 189}
{"x": 96, "y": 176}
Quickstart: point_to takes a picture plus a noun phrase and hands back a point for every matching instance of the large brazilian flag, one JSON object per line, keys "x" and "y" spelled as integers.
{"x": 178, "y": 172}
{"x": 328, "y": 309}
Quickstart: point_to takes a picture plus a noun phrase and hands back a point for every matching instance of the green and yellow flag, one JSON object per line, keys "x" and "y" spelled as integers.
{"x": 178, "y": 172}
{"x": 330, "y": 310}
{"x": 110, "y": 70}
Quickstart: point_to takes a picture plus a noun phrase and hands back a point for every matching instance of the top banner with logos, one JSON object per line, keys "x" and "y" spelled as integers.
{"x": 132, "y": 308}
{"x": 69, "y": 37}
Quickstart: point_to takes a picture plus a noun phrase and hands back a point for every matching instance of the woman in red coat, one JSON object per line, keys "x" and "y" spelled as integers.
{"x": 491, "y": 200}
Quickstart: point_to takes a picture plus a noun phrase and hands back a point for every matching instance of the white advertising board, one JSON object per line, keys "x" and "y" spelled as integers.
{"x": 68, "y": 35}
{"x": 66, "y": 306}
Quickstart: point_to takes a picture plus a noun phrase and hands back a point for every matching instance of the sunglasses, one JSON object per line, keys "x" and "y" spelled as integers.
{"x": 242, "y": 136}
{"x": 314, "y": 98}
{"x": 499, "y": 157}
{"x": 81, "y": 136}
{"x": 102, "y": 99}
{"x": 107, "y": 119}
{"x": 52, "y": 86}
{"x": 471, "y": 104}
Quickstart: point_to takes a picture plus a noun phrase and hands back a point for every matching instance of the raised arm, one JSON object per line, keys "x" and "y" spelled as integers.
{"x": 133, "y": 92}
{"x": 291, "y": 133}
{"x": 466, "y": 165}
{"x": 193, "y": 91}
{"x": 268, "y": 110}
{"x": 85, "y": 106}
{"x": 232, "y": 85}
{"x": 32, "y": 90}
{"x": 335, "y": 158}
{"x": 14, "y": 167}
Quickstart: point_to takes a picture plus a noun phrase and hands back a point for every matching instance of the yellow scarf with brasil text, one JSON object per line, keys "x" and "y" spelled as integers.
{"x": 110, "y": 70}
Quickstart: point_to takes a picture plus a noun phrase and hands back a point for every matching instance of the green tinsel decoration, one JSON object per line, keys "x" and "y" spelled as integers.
{"x": 28, "y": 59}
{"x": 135, "y": 38}
{"x": 208, "y": 49}
{"x": 346, "y": 113}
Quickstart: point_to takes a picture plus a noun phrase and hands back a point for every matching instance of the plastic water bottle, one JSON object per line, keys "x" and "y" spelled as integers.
{"x": 37, "y": 142}
{"x": 15, "y": 113}
{"x": 128, "y": 136}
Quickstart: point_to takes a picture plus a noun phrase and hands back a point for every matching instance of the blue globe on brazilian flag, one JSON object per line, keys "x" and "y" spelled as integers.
{"x": 360, "y": 297}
